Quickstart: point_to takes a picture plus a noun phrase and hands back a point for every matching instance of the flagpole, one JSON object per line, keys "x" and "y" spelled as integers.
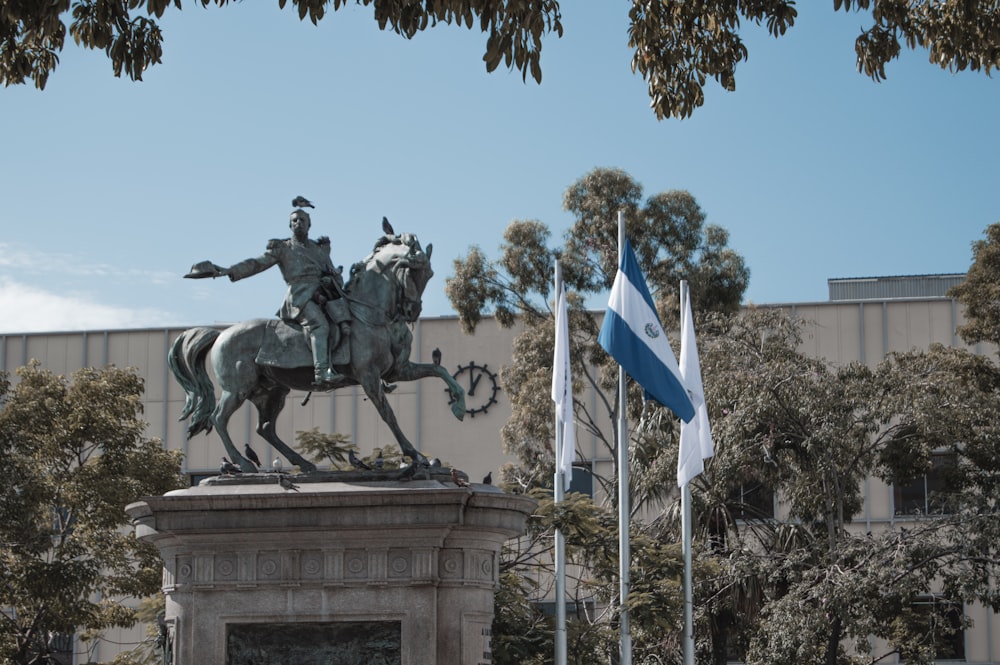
{"x": 686, "y": 533}
{"x": 559, "y": 495}
{"x": 624, "y": 555}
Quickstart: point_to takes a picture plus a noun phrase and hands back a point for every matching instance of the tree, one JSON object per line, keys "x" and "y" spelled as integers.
{"x": 980, "y": 292}
{"x": 678, "y": 45}
{"x": 800, "y": 586}
{"x": 808, "y": 588}
{"x": 75, "y": 454}
{"x": 671, "y": 240}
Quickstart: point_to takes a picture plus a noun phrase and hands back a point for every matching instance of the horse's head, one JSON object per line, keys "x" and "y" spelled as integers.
{"x": 408, "y": 267}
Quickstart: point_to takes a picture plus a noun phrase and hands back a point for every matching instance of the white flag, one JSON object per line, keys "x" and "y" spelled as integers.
{"x": 696, "y": 435}
{"x": 562, "y": 390}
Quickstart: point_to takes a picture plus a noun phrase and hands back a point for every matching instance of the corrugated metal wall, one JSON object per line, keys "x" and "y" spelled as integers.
{"x": 880, "y": 288}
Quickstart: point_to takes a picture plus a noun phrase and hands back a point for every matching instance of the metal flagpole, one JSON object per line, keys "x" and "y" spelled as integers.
{"x": 624, "y": 556}
{"x": 686, "y": 536}
{"x": 560, "y": 545}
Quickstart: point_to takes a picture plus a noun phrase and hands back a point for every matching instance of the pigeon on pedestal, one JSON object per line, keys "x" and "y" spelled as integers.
{"x": 357, "y": 463}
{"x": 251, "y": 455}
{"x": 457, "y": 479}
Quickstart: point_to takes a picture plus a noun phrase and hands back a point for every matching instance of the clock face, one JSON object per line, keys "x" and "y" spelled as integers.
{"x": 480, "y": 386}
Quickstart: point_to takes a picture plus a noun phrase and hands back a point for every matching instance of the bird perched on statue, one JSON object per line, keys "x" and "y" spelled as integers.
{"x": 301, "y": 202}
{"x": 488, "y": 478}
{"x": 228, "y": 468}
{"x": 287, "y": 483}
{"x": 251, "y": 455}
{"x": 458, "y": 480}
{"x": 387, "y": 227}
{"x": 355, "y": 462}
{"x": 379, "y": 461}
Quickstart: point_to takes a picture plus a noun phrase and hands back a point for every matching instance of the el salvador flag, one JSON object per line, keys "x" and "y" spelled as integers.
{"x": 632, "y": 334}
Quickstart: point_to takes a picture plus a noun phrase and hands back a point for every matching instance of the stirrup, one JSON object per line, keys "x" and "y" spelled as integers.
{"x": 324, "y": 376}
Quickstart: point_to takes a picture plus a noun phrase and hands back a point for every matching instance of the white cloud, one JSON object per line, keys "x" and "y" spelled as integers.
{"x": 25, "y": 308}
{"x": 29, "y": 261}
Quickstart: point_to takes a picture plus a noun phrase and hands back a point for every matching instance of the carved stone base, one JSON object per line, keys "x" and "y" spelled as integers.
{"x": 380, "y": 572}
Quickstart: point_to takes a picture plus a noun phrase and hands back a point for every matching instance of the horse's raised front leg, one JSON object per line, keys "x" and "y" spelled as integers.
{"x": 414, "y": 371}
{"x": 372, "y": 385}
{"x": 269, "y": 404}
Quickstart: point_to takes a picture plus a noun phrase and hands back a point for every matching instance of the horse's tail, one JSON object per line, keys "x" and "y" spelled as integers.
{"x": 187, "y": 361}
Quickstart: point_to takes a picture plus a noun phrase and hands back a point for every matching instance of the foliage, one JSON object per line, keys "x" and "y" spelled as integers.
{"x": 150, "y": 611}
{"x": 32, "y": 34}
{"x": 521, "y": 634}
{"x": 75, "y": 454}
{"x": 807, "y": 584}
{"x": 322, "y": 446}
{"x": 671, "y": 241}
{"x": 980, "y": 292}
{"x": 812, "y": 588}
{"x": 334, "y": 447}
{"x": 678, "y": 45}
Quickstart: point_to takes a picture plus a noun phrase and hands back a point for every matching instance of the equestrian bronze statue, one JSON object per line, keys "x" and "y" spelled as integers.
{"x": 328, "y": 335}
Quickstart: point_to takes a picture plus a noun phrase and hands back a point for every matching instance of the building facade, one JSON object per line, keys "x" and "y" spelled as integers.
{"x": 864, "y": 320}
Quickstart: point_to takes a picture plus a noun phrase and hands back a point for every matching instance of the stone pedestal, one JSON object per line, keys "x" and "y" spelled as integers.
{"x": 382, "y": 572}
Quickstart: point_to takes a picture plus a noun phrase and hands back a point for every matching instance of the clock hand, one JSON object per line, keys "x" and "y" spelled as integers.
{"x": 473, "y": 382}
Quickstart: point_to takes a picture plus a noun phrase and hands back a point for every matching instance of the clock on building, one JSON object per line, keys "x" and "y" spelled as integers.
{"x": 480, "y": 385}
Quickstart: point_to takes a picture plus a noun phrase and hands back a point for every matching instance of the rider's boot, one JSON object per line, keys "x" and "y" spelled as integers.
{"x": 322, "y": 375}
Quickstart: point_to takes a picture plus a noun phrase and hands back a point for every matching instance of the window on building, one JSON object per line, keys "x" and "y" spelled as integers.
{"x": 928, "y": 494}
{"x": 941, "y": 619}
{"x": 574, "y": 609}
{"x": 751, "y": 501}
{"x": 60, "y": 647}
{"x": 583, "y": 481}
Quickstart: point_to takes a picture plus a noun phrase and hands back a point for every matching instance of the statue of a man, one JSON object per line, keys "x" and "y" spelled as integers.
{"x": 315, "y": 295}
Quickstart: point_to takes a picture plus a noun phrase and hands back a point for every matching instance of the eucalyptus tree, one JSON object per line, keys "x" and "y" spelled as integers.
{"x": 671, "y": 240}
{"x": 678, "y": 46}
{"x": 75, "y": 454}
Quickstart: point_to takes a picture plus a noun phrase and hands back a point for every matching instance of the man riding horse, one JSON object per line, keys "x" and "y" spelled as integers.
{"x": 315, "y": 295}
{"x": 385, "y": 296}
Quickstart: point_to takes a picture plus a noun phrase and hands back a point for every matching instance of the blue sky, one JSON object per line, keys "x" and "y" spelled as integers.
{"x": 111, "y": 189}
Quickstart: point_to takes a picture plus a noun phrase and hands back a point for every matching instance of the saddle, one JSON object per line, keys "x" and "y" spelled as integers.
{"x": 286, "y": 345}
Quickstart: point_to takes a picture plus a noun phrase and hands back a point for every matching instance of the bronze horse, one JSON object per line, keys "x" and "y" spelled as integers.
{"x": 384, "y": 295}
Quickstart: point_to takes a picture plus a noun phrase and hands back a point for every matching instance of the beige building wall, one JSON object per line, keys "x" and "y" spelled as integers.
{"x": 841, "y": 332}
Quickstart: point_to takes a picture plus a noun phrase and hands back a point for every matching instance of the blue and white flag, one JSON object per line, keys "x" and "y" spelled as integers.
{"x": 562, "y": 391}
{"x": 696, "y": 436}
{"x": 632, "y": 334}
